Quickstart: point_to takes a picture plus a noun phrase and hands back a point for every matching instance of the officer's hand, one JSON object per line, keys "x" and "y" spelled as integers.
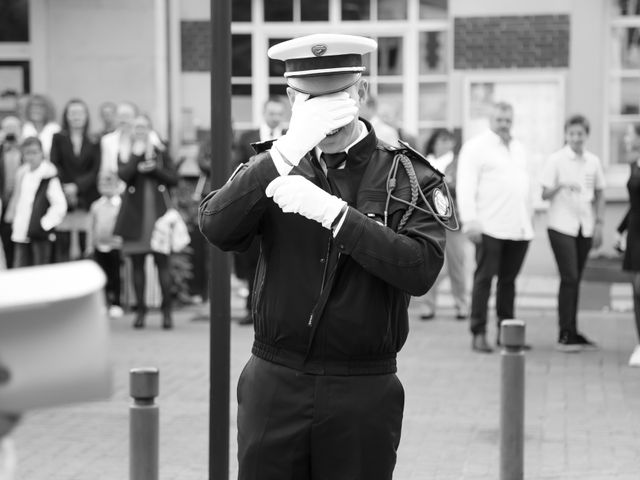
{"x": 296, "y": 194}
{"x": 473, "y": 231}
{"x": 311, "y": 120}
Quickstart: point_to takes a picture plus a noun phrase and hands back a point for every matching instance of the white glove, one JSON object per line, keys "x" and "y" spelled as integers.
{"x": 296, "y": 194}
{"x": 311, "y": 121}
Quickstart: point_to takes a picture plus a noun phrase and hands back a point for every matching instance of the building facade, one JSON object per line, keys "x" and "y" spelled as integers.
{"x": 439, "y": 63}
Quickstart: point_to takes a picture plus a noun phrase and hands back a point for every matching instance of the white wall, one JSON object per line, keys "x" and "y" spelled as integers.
{"x": 102, "y": 50}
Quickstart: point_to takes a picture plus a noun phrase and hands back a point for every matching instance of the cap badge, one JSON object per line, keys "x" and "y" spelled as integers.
{"x": 441, "y": 203}
{"x": 319, "y": 50}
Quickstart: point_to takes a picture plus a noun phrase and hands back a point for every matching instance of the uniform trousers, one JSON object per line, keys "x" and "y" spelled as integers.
{"x": 503, "y": 258}
{"x": 298, "y": 426}
{"x": 571, "y": 256}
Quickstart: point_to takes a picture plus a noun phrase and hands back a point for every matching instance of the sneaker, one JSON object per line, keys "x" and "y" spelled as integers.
{"x": 568, "y": 343}
{"x": 585, "y": 342}
{"x": 115, "y": 311}
{"x": 634, "y": 360}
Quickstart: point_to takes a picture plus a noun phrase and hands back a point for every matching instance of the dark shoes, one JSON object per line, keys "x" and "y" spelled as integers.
{"x": 568, "y": 343}
{"x": 139, "y": 321}
{"x": 167, "y": 320}
{"x": 479, "y": 344}
{"x": 574, "y": 342}
{"x": 585, "y": 342}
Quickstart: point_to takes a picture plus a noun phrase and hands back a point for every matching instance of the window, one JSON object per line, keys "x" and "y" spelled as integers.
{"x": 314, "y": 10}
{"x": 241, "y": 90}
{"x": 623, "y": 75}
{"x": 433, "y": 52}
{"x": 392, "y": 9}
{"x": 356, "y": 9}
{"x": 390, "y": 56}
{"x": 433, "y": 102}
{"x": 241, "y": 10}
{"x": 241, "y": 55}
{"x": 432, "y": 9}
{"x": 278, "y": 10}
{"x": 14, "y": 21}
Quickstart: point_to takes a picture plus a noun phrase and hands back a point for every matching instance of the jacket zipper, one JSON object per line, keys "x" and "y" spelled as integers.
{"x": 324, "y": 277}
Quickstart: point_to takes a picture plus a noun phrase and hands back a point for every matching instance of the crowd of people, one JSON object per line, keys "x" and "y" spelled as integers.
{"x": 494, "y": 186}
{"x": 68, "y": 192}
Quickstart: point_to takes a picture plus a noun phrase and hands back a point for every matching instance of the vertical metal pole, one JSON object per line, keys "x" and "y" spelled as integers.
{"x": 512, "y": 333}
{"x": 143, "y": 424}
{"x": 219, "y": 279}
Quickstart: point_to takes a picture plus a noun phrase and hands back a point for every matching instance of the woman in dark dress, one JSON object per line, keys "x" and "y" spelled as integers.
{"x": 148, "y": 173}
{"x": 77, "y": 159}
{"x": 631, "y": 226}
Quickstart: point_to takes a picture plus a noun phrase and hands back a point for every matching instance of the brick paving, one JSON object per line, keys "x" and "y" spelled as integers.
{"x": 582, "y": 410}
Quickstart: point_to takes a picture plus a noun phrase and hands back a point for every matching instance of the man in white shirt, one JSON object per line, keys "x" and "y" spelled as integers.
{"x": 496, "y": 208}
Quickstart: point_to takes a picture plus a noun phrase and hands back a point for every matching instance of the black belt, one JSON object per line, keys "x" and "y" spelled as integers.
{"x": 378, "y": 365}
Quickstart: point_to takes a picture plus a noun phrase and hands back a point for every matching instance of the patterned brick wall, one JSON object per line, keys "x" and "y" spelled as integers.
{"x": 531, "y": 41}
{"x": 196, "y": 46}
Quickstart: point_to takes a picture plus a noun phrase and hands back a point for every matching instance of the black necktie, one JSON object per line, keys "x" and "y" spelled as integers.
{"x": 334, "y": 160}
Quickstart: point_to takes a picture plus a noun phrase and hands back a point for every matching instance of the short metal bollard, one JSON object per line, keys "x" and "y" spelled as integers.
{"x": 143, "y": 424}
{"x": 512, "y": 337}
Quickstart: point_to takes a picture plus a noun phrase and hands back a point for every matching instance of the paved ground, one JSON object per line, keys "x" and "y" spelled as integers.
{"x": 582, "y": 410}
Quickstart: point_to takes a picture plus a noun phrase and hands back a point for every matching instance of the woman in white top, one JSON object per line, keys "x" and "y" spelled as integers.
{"x": 39, "y": 122}
{"x": 573, "y": 182}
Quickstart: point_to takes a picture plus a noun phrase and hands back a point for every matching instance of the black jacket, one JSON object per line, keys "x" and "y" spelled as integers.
{"x": 329, "y": 305}
{"x": 133, "y": 210}
{"x": 81, "y": 170}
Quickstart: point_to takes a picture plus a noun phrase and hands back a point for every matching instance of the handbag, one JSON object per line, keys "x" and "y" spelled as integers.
{"x": 170, "y": 233}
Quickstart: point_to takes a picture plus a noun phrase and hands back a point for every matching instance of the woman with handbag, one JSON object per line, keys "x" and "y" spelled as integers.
{"x": 630, "y": 226}
{"x": 148, "y": 173}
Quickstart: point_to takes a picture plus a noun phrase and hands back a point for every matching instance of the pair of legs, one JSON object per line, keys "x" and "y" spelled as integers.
{"x": 36, "y": 252}
{"x": 636, "y": 301}
{"x": 501, "y": 258}
{"x": 139, "y": 284}
{"x": 7, "y": 244}
{"x": 455, "y": 265}
{"x": 571, "y": 257}
{"x": 69, "y": 245}
{"x": 110, "y": 263}
{"x": 297, "y": 426}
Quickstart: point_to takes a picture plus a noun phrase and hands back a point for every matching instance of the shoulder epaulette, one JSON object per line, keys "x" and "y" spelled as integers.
{"x": 416, "y": 155}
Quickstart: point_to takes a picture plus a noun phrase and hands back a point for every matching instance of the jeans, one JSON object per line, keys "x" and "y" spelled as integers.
{"x": 571, "y": 256}
{"x": 503, "y": 258}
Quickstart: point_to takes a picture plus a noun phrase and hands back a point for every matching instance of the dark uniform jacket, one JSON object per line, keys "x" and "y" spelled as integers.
{"x": 324, "y": 305}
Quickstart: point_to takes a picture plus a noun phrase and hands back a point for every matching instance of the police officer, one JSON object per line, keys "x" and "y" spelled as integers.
{"x": 340, "y": 258}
